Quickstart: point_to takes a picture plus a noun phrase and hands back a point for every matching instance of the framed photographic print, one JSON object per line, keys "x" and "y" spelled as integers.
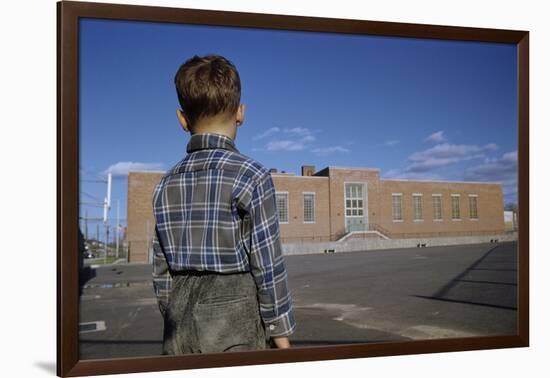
{"x": 398, "y": 161}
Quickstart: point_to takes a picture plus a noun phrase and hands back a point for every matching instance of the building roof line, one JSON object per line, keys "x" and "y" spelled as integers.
{"x": 294, "y": 176}
{"x": 351, "y": 168}
{"x": 444, "y": 181}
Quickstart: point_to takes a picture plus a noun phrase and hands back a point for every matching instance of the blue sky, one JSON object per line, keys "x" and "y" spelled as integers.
{"x": 415, "y": 108}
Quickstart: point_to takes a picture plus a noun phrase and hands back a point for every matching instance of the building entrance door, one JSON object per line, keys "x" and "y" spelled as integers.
{"x": 356, "y": 207}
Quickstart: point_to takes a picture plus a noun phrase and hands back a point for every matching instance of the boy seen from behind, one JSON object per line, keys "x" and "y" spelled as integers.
{"x": 218, "y": 270}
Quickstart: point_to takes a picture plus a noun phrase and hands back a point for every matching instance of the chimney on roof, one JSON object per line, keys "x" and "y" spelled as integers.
{"x": 308, "y": 170}
{"x": 272, "y": 170}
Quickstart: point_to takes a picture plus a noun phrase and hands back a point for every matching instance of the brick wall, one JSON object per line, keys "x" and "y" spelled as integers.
{"x": 490, "y": 208}
{"x": 296, "y": 230}
{"x": 141, "y": 221}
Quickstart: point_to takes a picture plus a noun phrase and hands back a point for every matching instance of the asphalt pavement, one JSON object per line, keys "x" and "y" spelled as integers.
{"x": 340, "y": 298}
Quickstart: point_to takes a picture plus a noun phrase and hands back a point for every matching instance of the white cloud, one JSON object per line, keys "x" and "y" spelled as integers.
{"x": 288, "y": 132}
{"x": 398, "y": 174}
{"x": 436, "y": 137}
{"x": 122, "y": 168}
{"x": 293, "y": 139}
{"x": 304, "y": 133}
{"x": 424, "y": 164}
{"x": 285, "y": 145}
{"x": 390, "y": 143}
{"x": 265, "y": 134}
{"x": 297, "y": 130}
{"x": 446, "y": 150}
{"x": 286, "y": 139}
{"x": 329, "y": 150}
{"x": 503, "y": 170}
{"x": 445, "y": 154}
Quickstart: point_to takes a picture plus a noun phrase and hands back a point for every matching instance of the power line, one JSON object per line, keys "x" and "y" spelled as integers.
{"x": 103, "y": 181}
{"x": 89, "y": 195}
{"x": 94, "y": 204}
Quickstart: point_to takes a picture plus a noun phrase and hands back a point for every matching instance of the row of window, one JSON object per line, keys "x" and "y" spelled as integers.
{"x": 437, "y": 214}
{"x": 354, "y": 205}
{"x": 309, "y": 207}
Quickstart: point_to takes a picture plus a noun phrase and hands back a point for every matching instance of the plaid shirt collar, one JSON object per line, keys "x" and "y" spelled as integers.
{"x": 210, "y": 141}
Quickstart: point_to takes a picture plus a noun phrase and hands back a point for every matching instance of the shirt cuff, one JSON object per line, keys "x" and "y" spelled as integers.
{"x": 284, "y": 325}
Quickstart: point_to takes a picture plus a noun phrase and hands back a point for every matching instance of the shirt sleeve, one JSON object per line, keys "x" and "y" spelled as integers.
{"x": 162, "y": 278}
{"x": 267, "y": 263}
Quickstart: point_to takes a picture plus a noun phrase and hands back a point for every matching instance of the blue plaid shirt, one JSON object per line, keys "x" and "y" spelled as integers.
{"x": 215, "y": 210}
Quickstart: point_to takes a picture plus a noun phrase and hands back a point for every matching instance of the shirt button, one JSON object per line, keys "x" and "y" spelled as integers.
{"x": 272, "y": 327}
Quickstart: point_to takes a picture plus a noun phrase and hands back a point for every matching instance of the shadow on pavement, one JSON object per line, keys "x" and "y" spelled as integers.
{"x": 467, "y": 302}
{"x": 483, "y": 282}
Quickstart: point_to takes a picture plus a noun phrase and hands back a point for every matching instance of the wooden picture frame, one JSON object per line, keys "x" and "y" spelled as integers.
{"x": 68, "y": 15}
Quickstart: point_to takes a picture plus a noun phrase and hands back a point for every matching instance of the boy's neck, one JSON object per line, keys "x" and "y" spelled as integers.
{"x": 210, "y": 131}
{"x": 224, "y": 128}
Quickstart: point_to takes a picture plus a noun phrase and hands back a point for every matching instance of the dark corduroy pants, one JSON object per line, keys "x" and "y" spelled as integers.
{"x": 211, "y": 312}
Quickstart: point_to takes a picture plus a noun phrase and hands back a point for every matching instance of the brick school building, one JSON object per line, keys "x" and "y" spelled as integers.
{"x": 338, "y": 203}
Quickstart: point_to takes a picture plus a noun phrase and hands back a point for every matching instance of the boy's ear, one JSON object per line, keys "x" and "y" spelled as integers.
{"x": 182, "y": 120}
{"x": 240, "y": 114}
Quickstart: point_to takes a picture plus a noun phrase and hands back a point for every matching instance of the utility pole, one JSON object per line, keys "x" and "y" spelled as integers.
{"x": 106, "y": 207}
{"x": 86, "y": 225}
{"x": 117, "y": 225}
{"x": 106, "y": 242}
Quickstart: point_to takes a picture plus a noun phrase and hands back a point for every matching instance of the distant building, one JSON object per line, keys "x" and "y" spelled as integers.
{"x": 510, "y": 220}
{"x": 339, "y": 202}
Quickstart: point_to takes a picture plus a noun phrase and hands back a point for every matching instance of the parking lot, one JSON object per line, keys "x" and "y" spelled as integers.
{"x": 341, "y": 298}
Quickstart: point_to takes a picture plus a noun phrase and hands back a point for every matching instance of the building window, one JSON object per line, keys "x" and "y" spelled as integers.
{"x": 436, "y": 202}
{"x": 397, "y": 214}
{"x": 354, "y": 200}
{"x": 282, "y": 207}
{"x": 455, "y": 201}
{"x": 417, "y": 206}
{"x": 473, "y": 206}
{"x": 309, "y": 207}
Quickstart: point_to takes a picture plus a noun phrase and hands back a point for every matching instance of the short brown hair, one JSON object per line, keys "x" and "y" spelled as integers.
{"x": 207, "y": 86}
